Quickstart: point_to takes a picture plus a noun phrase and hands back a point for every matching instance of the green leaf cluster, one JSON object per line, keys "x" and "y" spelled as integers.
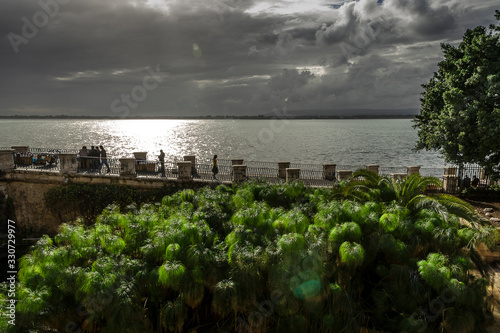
{"x": 371, "y": 254}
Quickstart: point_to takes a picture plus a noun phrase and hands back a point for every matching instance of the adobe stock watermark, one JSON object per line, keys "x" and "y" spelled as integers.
{"x": 276, "y": 125}
{"x": 437, "y": 307}
{"x": 138, "y": 93}
{"x": 297, "y": 275}
{"x": 221, "y": 8}
{"x": 93, "y": 306}
{"x": 11, "y": 272}
{"x": 30, "y": 28}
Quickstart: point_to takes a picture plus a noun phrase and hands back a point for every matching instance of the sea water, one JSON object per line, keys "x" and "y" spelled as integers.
{"x": 346, "y": 142}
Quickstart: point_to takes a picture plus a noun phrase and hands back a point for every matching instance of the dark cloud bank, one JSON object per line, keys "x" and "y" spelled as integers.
{"x": 223, "y": 57}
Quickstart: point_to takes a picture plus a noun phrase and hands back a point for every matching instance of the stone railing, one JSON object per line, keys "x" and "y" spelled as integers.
{"x": 235, "y": 170}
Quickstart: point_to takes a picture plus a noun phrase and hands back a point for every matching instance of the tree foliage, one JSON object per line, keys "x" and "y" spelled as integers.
{"x": 460, "y": 105}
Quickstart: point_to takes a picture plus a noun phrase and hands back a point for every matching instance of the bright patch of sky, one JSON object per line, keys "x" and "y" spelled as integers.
{"x": 160, "y": 5}
{"x": 315, "y": 70}
{"x": 288, "y": 7}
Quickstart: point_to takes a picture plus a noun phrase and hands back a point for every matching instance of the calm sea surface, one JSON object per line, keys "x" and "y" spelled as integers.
{"x": 346, "y": 142}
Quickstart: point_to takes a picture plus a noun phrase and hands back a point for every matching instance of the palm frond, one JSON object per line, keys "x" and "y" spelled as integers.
{"x": 292, "y": 221}
{"x": 173, "y": 252}
{"x": 192, "y": 290}
{"x": 291, "y": 243}
{"x": 351, "y": 254}
{"x": 173, "y": 316}
{"x": 224, "y": 300}
{"x": 415, "y": 185}
{"x": 371, "y": 178}
{"x": 349, "y": 231}
{"x": 434, "y": 270}
{"x": 447, "y": 205}
{"x": 32, "y": 301}
{"x": 171, "y": 273}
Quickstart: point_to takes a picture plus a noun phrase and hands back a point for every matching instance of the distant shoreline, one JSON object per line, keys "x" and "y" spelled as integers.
{"x": 291, "y": 117}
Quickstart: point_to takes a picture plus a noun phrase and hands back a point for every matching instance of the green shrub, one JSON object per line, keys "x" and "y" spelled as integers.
{"x": 351, "y": 254}
{"x": 209, "y": 260}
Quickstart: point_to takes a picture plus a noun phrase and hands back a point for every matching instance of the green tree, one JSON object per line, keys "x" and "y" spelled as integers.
{"x": 460, "y": 105}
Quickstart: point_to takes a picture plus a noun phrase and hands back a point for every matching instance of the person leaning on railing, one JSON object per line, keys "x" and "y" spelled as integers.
{"x": 83, "y": 157}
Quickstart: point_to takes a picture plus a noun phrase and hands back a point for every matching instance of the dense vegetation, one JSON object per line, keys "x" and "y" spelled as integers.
{"x": 256, "y": 257}
{"x": 488, "y": 193}
{"x": 460, "y": 106}
{"x": 89, "y": 200}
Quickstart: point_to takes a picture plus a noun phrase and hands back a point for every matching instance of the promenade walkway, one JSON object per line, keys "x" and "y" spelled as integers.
{"x": 190, "y": 167}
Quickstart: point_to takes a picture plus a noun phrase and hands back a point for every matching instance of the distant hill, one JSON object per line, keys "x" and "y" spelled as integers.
{"x": 351, "y": 113}
{"x": 299, "y": 114}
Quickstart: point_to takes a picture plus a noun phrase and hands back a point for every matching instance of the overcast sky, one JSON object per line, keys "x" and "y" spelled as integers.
{"x": 223, "y": 57}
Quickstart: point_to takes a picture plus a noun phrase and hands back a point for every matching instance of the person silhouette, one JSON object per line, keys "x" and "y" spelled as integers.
{"x": 104, "y": 159}
{"x": 161, "y": 158}
{"x": 215, "y": 169}
{"x": 83, "y": 157}
{"x": 466, "y": 182}
{"x": 475, "y": 181}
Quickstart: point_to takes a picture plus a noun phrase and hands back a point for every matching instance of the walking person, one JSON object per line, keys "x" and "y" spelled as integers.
{"x": 161, "y": 158}
{"x": 104, "y": 159}
{"x": 215, "y": 169}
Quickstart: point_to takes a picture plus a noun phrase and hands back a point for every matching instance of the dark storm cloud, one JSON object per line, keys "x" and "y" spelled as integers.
{"x": 363, "y": 23}
{"x": 222, "y": 57}
{"x": 425, "y": 20}
{"x": 83, "y": 48}
{"x": 289, "y": 80}
{"x": 304, "y": 33}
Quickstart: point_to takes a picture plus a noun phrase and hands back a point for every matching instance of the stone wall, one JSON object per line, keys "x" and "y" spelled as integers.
{"x": 31, "y": 215}
{"x": 27, "y": 189}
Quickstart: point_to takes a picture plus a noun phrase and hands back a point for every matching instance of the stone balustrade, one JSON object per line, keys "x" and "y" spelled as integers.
{"x": 450, "y": 180}
{"x": 282, "y": 166}
{"x": 239, "y": 172}
{"x": 141, "y": 155}
{"x": 7, "y": 160}
{"x": 20, "y": 149}
{"x": 373, "y": 167}
{"x": 187, "y": 169}
{"x": 450, "y": 171}
{"x": 344, "y": 174}
{"x": 292, "y": 174}
{"x": 398, "y": 176}
{"x": 329, "y": 171}
{"x": 450, "y": 183}
{"x": 68, "y": 164}
{"x": 184, "y": 170}
{"x": 410, "y": 170}
{"x": 192, "y": 159}
{"x": 127, "y": 167}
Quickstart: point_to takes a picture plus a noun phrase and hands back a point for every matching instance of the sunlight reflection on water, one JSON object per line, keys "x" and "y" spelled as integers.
{"x": 387, "y": 142}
